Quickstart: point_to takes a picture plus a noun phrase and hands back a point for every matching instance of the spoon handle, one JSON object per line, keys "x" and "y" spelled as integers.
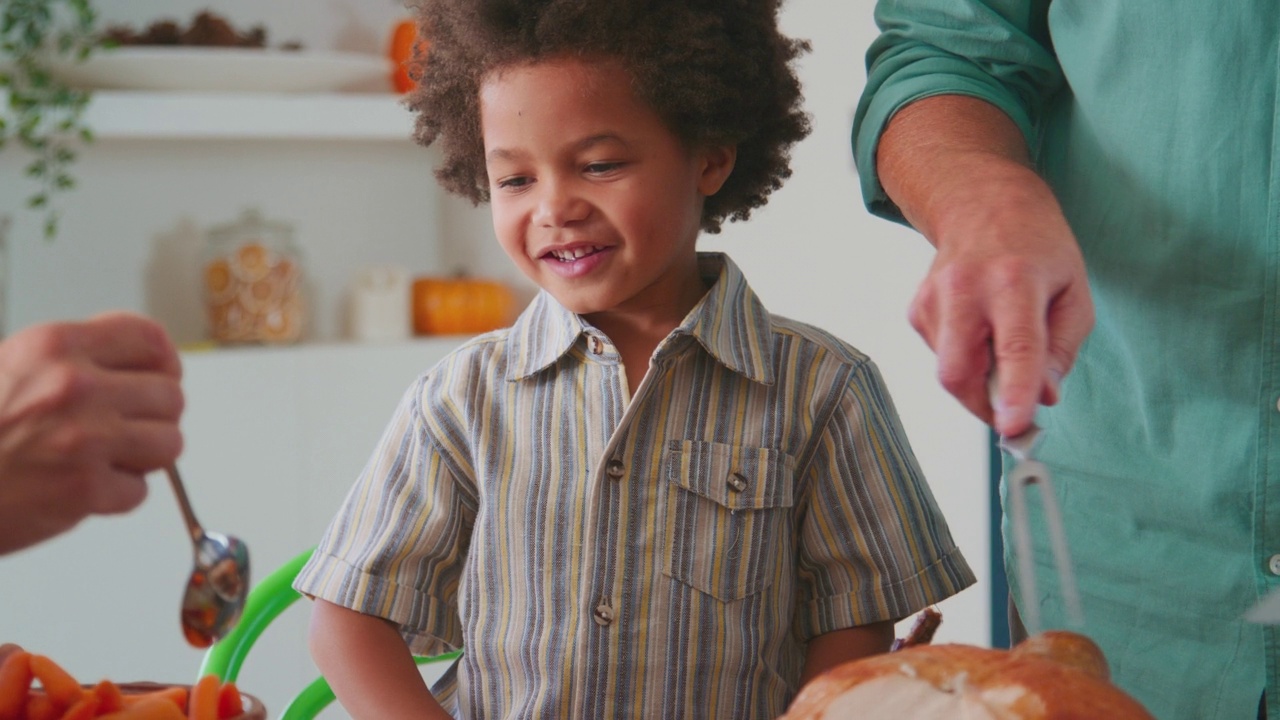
{"x": 193, "y": 526}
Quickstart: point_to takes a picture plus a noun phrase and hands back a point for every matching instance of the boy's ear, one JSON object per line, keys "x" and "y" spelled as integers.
{"x": 717, "y": 164}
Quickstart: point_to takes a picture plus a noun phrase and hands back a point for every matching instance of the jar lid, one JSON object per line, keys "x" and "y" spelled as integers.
{"x": 251, "y": 222}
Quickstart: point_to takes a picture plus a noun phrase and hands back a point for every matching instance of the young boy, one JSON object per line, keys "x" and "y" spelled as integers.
{"x": 649, "y": 497}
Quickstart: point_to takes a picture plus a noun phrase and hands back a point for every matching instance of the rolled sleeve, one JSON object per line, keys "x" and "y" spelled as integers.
{"x": 397, "y": 545}
{"x": 997, "y": 51}
{"x": 873, "y": 544}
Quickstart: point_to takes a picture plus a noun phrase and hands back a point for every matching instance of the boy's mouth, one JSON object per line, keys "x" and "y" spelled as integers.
{"x": 574, "y": 253}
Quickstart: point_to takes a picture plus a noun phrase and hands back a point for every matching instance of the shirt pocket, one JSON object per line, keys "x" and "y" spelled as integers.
{"x": 727, "y": 509}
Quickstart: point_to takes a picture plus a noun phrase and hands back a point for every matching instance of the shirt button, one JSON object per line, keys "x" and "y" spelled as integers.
{"x": 597, "y": 347}
{"x": 603, "y": 614}
{"x": 737, "y": 482}
{"x": 1274, "y": 564}
{"x": 614, "y": 469}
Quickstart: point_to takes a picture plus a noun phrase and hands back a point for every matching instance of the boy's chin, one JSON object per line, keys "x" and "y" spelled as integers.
{"x": 579, "y": 305}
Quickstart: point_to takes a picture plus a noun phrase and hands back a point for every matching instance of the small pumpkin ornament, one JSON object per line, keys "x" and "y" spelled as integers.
{"x": 404, "y": 45}
{"x": 1055, "y": 675}
{"x": 460, "y": 305}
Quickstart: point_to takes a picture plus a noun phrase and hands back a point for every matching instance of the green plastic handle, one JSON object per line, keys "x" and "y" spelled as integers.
{"x": 268, "y": 599}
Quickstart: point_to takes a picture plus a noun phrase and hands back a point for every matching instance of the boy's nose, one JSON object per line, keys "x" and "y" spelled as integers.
{"x": 559, "y": 206}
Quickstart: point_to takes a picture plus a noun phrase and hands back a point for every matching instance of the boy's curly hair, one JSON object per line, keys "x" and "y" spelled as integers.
{"x": 718, "y": 72}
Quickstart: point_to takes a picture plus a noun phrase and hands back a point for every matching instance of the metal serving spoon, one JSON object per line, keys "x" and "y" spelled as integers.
{"x": 219, "y": 581}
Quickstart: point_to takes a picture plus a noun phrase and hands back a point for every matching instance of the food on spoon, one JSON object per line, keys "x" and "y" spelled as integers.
{"x": 1055, "y": 675}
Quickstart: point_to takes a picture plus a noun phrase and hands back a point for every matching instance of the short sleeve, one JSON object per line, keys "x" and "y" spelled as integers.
{"x": 397, "y": 545}
{"x": 995, "y": 50}
{"x": 873, "y": 544}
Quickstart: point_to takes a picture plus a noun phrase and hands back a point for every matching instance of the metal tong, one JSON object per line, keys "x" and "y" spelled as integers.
{"x": 1029, "y": 471}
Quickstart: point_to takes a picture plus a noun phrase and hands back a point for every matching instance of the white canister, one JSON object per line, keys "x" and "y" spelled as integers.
{"x": 380, "y": 305}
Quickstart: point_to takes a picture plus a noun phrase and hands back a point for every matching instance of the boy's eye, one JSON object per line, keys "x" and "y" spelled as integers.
{"x": 513, "y": 183}
{"x": 602, "y": 168}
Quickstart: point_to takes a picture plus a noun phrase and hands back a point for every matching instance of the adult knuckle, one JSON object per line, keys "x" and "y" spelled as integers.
{"x": 1013, "y": 268}
{"x": 118, "y": 493}
{"x": 44, "y": 342}
{"x": 1017, "y": 342}
{"x": 66, "y": 384}
{"x": 170, "y": 444}
{"x": 953, "y": 378}
{"x": 80, "y": 444}
{"x": 955, "y": 280}
{"x": 918, "y": 315}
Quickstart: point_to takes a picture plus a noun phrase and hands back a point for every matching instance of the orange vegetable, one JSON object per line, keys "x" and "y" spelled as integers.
{"x": 230, "y": 704}
{"x": 58, "y": 696}
{"x": 41, "y": 707}
{"x": 451, "y": 306}
{"x": 203, "y": 702}
{"x": 174, "y": 694}
{"x": 62, "y": 689}
{"x": 15, "y": 678}
{"x": 404, "y": 45}
{"x": 85, "y": 709}
{"x": 152, "y": 708}
{"x": 110, "y": 699}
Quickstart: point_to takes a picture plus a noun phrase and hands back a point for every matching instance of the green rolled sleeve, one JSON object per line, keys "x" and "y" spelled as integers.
{"x": 995, "y": 51}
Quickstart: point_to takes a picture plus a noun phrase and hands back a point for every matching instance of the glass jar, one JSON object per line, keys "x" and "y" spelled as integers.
{"x": 253, "y": 285}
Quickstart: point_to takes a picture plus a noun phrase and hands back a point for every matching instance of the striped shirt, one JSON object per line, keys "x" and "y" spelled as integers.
{"x": 662, "y": 554}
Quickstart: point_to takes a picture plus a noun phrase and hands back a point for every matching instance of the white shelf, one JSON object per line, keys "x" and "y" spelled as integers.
{"x": 248, "y": 116}
{"x": 428, "y": 349}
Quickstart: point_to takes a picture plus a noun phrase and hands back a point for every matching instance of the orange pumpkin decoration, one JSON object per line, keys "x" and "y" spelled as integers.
{"x": 405, "y": 43}
{"x": 460, "y": 305}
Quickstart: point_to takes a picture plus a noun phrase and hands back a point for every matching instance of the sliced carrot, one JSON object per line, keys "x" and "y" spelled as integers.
{"x": 175, "y": 694}
{"x": 203, "y": 703}
{"x": 152, "y": 708}
{"x": 85, "y": 709}
{"x": 41, "y": 707}
{"x": 62, "y": 689}
{"x": 110, "y": 699}
{"x": 230, "y": 704}
{"x": 15, "y": 679}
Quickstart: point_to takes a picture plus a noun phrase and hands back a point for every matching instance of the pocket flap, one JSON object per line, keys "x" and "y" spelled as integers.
{"x": 739, "y": 478}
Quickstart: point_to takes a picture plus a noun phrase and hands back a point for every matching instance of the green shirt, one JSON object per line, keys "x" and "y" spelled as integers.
{"x": 1155, "y": 123}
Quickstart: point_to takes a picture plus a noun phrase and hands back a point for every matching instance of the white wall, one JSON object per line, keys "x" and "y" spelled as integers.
{"x": 103, "y": 599}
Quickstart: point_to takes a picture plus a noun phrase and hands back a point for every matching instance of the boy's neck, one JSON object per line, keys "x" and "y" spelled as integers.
{"x": 636, "y": 332}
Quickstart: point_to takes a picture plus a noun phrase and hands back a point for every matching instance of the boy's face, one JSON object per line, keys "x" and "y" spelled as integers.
{"x": 593, "y": 198}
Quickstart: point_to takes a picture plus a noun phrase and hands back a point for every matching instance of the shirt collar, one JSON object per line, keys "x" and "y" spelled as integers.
{"x": 541, "y": 335}
{"x": 729, "y": 322}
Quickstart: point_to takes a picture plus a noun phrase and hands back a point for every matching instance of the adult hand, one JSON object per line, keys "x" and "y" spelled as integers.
{"x": 1008, "y": 283}
{"x": 86, "y": 410}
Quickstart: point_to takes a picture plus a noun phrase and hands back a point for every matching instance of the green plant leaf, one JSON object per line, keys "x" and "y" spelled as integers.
{"x": 42, "y": 114}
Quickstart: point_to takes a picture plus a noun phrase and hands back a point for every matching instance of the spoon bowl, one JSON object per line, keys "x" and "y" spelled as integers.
{"x": 219, "y": 583}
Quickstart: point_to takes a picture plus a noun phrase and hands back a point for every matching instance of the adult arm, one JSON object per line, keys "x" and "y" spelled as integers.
{"x": 1008, "y": 279}
{"x": 955, "y": 93}
{"x": 86, "y": 410}
{"x": 840, "y": 646}
{"x": 368, "y": 665}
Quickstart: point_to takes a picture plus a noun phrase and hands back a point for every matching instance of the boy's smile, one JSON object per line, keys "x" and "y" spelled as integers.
{"x": 593, "y": 197}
